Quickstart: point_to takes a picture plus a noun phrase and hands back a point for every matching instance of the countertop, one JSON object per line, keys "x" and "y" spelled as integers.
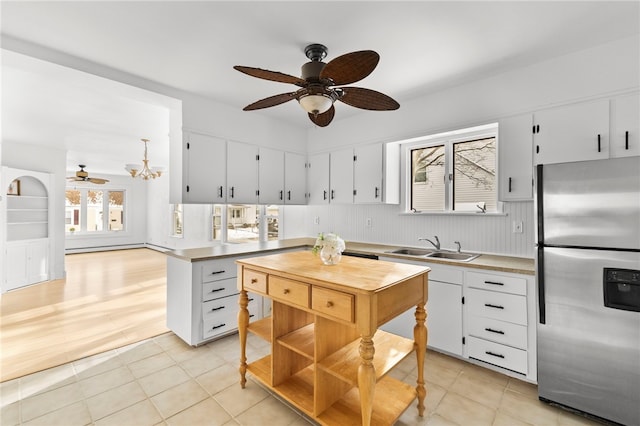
{"x": 518, "y": 265}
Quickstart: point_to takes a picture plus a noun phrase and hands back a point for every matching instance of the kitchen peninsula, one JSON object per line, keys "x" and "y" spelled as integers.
{"x": 328, "y": 357}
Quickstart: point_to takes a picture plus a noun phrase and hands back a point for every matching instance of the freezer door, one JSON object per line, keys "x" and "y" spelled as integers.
{"x": 591, "y": 203}
{"x": 588, "y": 354}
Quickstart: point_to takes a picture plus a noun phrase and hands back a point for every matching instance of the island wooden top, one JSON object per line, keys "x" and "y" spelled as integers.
{"x": 361, "y": 275}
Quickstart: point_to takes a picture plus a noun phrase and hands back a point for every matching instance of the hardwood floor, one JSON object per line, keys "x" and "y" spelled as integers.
{"x": 108, "y": 300}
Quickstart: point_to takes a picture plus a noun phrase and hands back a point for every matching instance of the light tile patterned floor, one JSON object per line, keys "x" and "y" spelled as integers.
{"x": 163, "y": 381}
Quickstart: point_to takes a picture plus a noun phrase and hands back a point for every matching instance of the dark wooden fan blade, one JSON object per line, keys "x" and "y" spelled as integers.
{"x": 368, "y": 99}
{"x": 352, "y": 67}
{"x": 271, "y": 101}
{"x": 271, "y": 75}
{"x": 98, "y": 181}
{"x": 323, "y": 119}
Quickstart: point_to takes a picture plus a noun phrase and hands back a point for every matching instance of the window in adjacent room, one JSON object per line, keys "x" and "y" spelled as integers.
{"x": 90, "y": 209}
{"x": 454, "y": 171}
{"x": 72, "y": 210}
{"x": 176, "y": 221}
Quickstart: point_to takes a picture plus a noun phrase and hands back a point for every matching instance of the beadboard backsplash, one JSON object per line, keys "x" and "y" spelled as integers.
{"x": 475, "y": 232}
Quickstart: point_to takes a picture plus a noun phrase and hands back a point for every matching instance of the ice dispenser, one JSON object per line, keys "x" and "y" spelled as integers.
{"x": 622, "y": 289}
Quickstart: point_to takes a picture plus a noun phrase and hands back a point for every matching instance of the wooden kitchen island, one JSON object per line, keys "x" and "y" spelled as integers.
{"x": 328, "y": 357}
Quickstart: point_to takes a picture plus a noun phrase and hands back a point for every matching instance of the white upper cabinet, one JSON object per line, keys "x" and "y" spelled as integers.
{"x": 271, "y": 176}
{"x": 515, "y": 150}
{"x": 367, "y": 174}
{"x": 242, "y": 173}
{"x": 318, "y": 178}
{"x": 625, "y": 138}
{"x": 572, "y": 133}
{"x": 295, "y": 178}
{"x": 204, "y": 179}
{"x": 341, "y": 176}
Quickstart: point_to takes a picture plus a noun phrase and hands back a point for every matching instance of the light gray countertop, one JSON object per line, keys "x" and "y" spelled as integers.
{"x": 519, "y": 265}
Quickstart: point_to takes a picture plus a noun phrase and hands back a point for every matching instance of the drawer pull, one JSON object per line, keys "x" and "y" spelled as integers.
{"x": 217, "y": 309}
{"x": 491, "y": 330}
{"x": 493, "y": 282}
{"x": 218, "y": 272}
{"x": 492, "y": 354}
{"x": 218, "y": 326}
{"x": 489, "y": 305}
{"x": 215, "y": 290}
{"x": 285, "y": 291}
{"x": 254, "y": 280}
{"x": 329, "y": 304}
{"x": 251, "y": 299}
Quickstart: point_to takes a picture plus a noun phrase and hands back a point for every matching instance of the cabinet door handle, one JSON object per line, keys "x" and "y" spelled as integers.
{"x": 489, "y": 305}
{"x": 491, "y": 330}
{"x": 325, "y": 195}
{"x": 510, "y": 184}
{"x": 215, "y": 290}
{"x": 218, "y": 326}
{"x": 281, "y": 194}
{"x": 217, "y": 309}
{"x": 333, "y": 195}
{"x": 233, "y": 188}
{"x": 220, "y": 191}
{"x": 598, "y": 143}
{"x": 626, "y": 140}
{"x": 254, "y": 280}
{"x": 329, "y": 304}
{"x": 494, "y": 354}
{"x": 377, "y": 192}
{"x": 218, "y": 272}
{"x": 493, "y": 283}
{"x": 289, "y": 195}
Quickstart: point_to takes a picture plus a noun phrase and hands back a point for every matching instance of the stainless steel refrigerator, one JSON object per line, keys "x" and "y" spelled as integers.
{"x": 588, "y": 276}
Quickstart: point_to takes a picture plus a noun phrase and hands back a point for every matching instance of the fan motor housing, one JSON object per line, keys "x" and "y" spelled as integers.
{"x": 311, "y": 70}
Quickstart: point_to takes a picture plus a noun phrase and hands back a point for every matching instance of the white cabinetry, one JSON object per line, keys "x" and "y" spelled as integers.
{"x": 242, "y": 173}
{"x": 341, "y": 176}
{"x": 572, "y": 133}
{"x": 271, "y": 176}
{"x": 515, "y": 149}
{"x": 367, "y": 174}
{"x": 318, "y": 178}
{"x": 295, "y": 178}
{"x": 625, "y": 136}
{"x": 444, "y": 309}
{"x": 27, "y": 262}
{"x": 205, "y": 172}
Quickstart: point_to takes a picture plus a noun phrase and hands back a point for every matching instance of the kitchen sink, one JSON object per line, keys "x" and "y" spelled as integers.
{"x": 464, "y": 257}
{"x": 412, "y": 251}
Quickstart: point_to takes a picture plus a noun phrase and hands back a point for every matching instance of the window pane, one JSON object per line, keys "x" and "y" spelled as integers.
{"x": 474, "y": 175}
{"x": 217, "y": 222}
{"x": 271, "y": 218}
{"x": 116, "y": 210}
{"x": 94, "y": 211}
{"x": 176, "y": 220}
{"x": 427, "y": 178}
{"x": 242, "y": 223}
{"x": 72, "y": 210}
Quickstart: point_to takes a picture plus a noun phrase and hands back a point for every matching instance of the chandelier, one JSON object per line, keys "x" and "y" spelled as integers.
{"x": 145, "y": 172}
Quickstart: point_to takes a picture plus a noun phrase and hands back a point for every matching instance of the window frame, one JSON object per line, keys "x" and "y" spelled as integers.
{"x": 81, "y": 229}
{"x": 448, "y": 139}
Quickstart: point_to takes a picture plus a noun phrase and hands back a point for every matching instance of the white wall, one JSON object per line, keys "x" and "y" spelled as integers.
{"x": 603, "y": 70}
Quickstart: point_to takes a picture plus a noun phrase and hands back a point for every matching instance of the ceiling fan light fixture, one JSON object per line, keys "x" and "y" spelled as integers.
{"x": 315, "y": 104}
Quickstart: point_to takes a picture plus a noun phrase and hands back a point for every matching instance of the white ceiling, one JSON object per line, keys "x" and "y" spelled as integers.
{"x": 424, "y": 46}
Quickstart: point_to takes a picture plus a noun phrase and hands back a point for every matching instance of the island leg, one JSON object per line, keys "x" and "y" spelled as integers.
{"x": 366, "y": 379}
{"x": 420, "y": 338}
{"x": 243, "y": 323}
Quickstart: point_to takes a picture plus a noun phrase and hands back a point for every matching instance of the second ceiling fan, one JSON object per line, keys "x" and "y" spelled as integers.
{"x": 318, "y": 84}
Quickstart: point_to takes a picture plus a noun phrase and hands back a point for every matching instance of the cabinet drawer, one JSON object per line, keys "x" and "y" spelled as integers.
{"x": 497, "y": 354}
{"x": 289, "y": 291}
{"x": 218, "y": 325}
{"x": 219, "y": 308}
{"x": 333, "y": 303}
{"x": 218, "y": 289}
{"x": 215, "y": 270}
{"x": 501, "y": 283}
{"x": 500, "y": 306}
{"x": 498, "y": 331}
{"x": 254, "y": 281}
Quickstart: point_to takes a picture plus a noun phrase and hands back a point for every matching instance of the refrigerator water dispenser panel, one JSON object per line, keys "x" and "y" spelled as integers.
{"x": 622, "y": 289}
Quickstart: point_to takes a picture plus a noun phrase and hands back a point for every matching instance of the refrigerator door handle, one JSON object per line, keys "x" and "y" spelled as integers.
{"x": 541, "y": 299}
{"x": 539, "y": 204}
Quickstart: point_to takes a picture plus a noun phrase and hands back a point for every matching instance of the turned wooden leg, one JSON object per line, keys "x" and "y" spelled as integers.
{"x": 420, "y": 338}
{"x": 366, "y": 379}
{"x": 243, "y": 323}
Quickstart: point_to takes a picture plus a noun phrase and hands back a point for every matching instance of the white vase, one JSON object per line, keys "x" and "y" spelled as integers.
{"x": 330, "y": 256}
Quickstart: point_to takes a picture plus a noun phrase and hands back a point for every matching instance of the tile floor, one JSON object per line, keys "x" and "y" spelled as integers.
{"x": 163, "y": 381}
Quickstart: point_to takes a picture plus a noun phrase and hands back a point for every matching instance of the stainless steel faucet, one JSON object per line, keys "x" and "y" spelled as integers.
{"x": 436, "y": 244}
{"x": 457, "y": 243}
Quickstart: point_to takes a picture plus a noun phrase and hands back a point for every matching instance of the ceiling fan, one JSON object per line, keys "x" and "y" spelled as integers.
{"x": 83, "y": 176}
{"x": 318, "y": 89}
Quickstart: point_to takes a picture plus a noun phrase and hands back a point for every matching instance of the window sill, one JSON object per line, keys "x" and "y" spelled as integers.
{"x": 453, "y": 213}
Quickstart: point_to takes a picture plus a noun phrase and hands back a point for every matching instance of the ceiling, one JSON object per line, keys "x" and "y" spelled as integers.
{"x": 424, "y": 46}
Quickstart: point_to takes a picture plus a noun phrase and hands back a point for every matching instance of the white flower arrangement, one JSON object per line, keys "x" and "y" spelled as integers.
{"x": 332, "y": 241}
